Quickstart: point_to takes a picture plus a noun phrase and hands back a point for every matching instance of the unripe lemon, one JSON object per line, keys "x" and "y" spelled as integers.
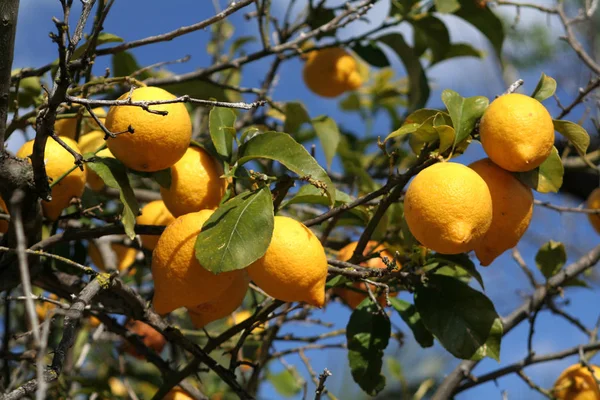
{"x": 354, "y": 298}
{"x": 593, "y": 202}
{"x": 448, "y": 208}
{"x": 517, "y": 132}
{"x": 179, "y": 279}
{"x": 577, "y": 383}
{"x": 125, "y": 256}
{"x": 512, "y": 206}
{"x": 88, "y": 144}
{"x": 158, "y": 141}
{"x": 154, "y": 213}
{"x": 223, "y": 305}
{"x": 68, "y": 126}
{"x": 330, "y": 72}
{"x": 3, "y": 223}
{"x": 294, "y": 268}
{"x": 58, "y": 161}
{"x": 150, "y": 336}
{"x": 196, "y": 183}
{"x": 177, "y": 394}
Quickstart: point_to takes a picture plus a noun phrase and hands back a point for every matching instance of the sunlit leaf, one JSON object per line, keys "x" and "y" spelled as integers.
{"x": 411, "y": 316}
{"x": 545, "y": 88}
{"x": 464, "y": 112}
{"x": 548, "y": 177}
{"x": 550, "y": 258}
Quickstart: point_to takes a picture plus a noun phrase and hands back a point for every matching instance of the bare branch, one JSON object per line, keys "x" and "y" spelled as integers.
{"x": 9, "y": 10}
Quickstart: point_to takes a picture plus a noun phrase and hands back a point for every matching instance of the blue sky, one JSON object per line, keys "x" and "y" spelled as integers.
{"x": 505, "y": 283}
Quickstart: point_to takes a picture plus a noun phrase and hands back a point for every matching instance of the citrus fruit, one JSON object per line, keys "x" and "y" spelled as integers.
{"x": 223, "y": 305}
{"x": 448, "y": 208}
{"x": 179, "y": 279}
{"x": 89, "y": 144}
{"x": 196, "y": 183}
{"x": 177, "y": 394}
{"x": 330, "y": 72}
{"x": 577, "y": 383}
{"x": 3, "y": 222}
{"x": 125, "y": 256}
{"x": 593, "y": 202}
{"x": 351, "y": 297}
{"x": 150, "y": 336}
{"x": 294, "y": 267}
{"x": 517, "y": 132}
{"x": 512, "y": 208}
{"x": 117, "y": 387}
{"x": 43, "y": 308}
{"x": 68, "y": 126}
{"x": 241, "y": 316}
{"x": 159, "y": 141}
{"x": 59, "y": 161}
{"x": 154, "y": 213}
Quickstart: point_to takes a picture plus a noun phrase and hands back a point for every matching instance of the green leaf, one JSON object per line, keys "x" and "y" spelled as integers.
{"x": 221, "y": 122}
{"x": 546, "y": 178}
{"x": 318, "y": 17}
{"x": 114, "y": 174}
{"x": 238, "y": 233}
{"x": 124, "y": 64}
{"x": 491, "y": 348}
{"x": 103, "y": 38}
{"x": 550, "y": 258}
{"x": 481, "y": 17}
{"x": 402, "y": 131}
{"x": 464, "y": 112}
{"x": 283, "y": 148}
{"x": 545, "y": 88}
{"x": 163, "y": 177}
{"x": 577, "y": 135}
{"x": 446, "y": 6}
{"x": 329, "y": 135}
{"x": 368, "y": 333}
{"x": 372, "y": 54}
{"x": 418, "y": 87}
{"x": 461, "y": 261}
{"x": 459, "y": 50}
{"x": 445, "y": 132}
{"x": 409, "y": 314}
{"x": 285, "y": 383}
{"x": 461, "y": 318}
{"x": 295, "y": 116}
{"x": 240, "y": 42}
{"x": 431, "y": 33}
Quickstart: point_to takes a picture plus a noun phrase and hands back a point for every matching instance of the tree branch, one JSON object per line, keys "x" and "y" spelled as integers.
{"x": 9, "y": 9}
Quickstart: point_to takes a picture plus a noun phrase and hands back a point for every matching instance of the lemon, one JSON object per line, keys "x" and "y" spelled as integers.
{"x": 517, "y": 132}
{"x": 177, "y": 394}
{"x": 593, "y": 202}
{"x": 58, "y": 161}
{"x": 241, "y": 316}
{"x": 158, "y": 141}
{"x": 512, "y": 205}
{"x": 577, "y": 383}
{"x": 223, "y": 305}
{"x": 196, "y": 183}
{"x": 179, "y": 279}
{"x": 294, "y": 267}
{"x": 448, "y": 208}
{"x": 149, "y": 336}
{"x": 88, "y": 144}
{"x": 154, "y": 213}
{"x": 330, "y": 72}
{"x": 125, "y": 256}
{"x": 68, "y": 126}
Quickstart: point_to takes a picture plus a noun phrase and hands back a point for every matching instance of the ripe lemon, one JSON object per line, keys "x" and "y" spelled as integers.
{"x": 3, "y": 223}
{"x": 512, "y": 206}
{"x": 179, "y": 279}
{"x": 125, "y": 256}
{"x": 294, "y": 268}
{"x": 331, "y": 72}
{"x": 68, "y": 126}
{"x": 240, "y": 317}
{"x": 59, "y": 161}
{"x": 88, "y": 144}
{"x": 577, "y": 383}
{"x": 154, "y": 213}
{"x": 177, "y": 394}
{"x": 150, "y": 336}
{"x": 354, "y": 298}
{"x": 593, "y": 202}
{"x": 159, "y": 141}
{"x": 196, "y": 183}
{"x": 448, "y": 208}
{"x": 517, "y": 132}
{"x": 223, "y": 305}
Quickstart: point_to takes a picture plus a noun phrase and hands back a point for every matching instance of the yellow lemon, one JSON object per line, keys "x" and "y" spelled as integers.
{"x": 512, "y": 207}
{"x": 177, "y": 394}
{"x": 196, "y": 183}
{"x": 223, "y": 305}
{"x": 330, "y": 72}
{"x": 150, "y": 336}
{"x": 125, "y": 256}
{"x": 68, "y": 126}
{"x": 179, "y": 279}
{"x": 593, "y": 202}
{"x": 517, "y": 132}
{"x": 241, "y": 316}
{"x": 158, "y": 141}
{"x": 88, "y": 144}
{"x": 448, "y": 208}
{"x": 294, "y": 268}
{"x": 154, "y": 213}
{"x": 58, "y": 161}
{"x": 577, "y": 383}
